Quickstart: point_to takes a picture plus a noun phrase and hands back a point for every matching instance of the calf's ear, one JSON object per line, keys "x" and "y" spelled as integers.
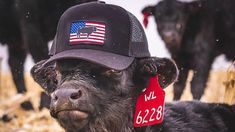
{"x": 166, "y": 70}
{"x": 45, "y": 75}
{"x": 147, "y": 11}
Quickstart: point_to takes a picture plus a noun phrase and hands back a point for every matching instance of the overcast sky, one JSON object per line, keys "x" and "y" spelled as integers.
{"x": 156, "y": 46}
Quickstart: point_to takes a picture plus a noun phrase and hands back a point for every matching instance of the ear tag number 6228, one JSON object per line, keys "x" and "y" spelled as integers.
{"x": 150, "y": 105}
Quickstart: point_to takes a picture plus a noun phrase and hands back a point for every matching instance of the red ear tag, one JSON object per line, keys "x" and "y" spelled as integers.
{"x": 145, "y": 21}
{"x": 149, "y": 107}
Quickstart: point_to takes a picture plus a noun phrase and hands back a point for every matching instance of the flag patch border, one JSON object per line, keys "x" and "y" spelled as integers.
{"x": 87, "y": 32}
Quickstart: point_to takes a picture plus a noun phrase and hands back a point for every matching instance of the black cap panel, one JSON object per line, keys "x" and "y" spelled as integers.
{"x": 117, "y": 28}
{"x": 104, "y": 34}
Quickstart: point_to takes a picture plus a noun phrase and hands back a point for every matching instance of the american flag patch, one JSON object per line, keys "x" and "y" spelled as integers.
{"x": 87, "y": 32}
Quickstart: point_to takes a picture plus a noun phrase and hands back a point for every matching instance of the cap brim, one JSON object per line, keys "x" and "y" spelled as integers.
{"x": 106, "y": 59}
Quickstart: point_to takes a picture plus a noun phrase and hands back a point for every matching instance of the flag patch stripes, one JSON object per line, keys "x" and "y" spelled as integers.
{"x": 87, "y": 32}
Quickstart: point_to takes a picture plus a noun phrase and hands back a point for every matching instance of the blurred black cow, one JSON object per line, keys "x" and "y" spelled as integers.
{"x": 26, "y": 26}
{"x": 195, "y": 33}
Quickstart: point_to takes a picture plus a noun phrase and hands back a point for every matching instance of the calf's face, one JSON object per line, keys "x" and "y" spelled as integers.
{"x": 90, "y": 97}
{"x": 171, "y": 17}
{"x": 85, "y": 91}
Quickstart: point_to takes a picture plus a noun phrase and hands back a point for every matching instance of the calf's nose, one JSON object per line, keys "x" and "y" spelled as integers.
{"x": 66, "y": 95}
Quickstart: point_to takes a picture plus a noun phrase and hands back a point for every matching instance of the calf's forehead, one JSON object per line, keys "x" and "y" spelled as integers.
{"x": 170, "y": 7}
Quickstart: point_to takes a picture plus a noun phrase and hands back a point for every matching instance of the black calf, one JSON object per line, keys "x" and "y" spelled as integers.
{"x": 100, "y": 96}
{"x": 195, "y": 33}
{"x": 87, "y": 97}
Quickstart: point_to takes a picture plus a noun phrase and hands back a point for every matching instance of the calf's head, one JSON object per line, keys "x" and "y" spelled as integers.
{"x": 171, "y": 17}
{"x": 94, "y": 83}
{"x": 90, "y": 97}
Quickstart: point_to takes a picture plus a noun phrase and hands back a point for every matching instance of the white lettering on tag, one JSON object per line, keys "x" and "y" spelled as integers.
{"x": 150, "y": 96}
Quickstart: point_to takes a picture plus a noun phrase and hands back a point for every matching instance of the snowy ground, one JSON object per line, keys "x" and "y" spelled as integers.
{"x": 156, "y": 45}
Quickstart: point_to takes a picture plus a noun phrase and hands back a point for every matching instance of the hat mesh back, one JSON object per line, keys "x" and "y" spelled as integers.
{"x": 136, "y": 32}
{"x": 138, "y": 40}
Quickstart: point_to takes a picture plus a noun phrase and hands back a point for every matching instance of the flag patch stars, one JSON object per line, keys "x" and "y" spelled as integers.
{"x": 87, "y": 32}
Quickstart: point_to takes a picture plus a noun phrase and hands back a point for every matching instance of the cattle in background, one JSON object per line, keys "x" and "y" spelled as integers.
{"x": 195, "y": 33}
{"x": 26, "y": 26}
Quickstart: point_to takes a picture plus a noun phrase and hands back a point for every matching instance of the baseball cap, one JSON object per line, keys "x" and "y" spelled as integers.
{"x": 101, "y": 33}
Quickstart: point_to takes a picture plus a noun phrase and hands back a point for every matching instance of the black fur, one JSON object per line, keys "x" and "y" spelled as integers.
{"x": 195, "y": 33}
{"x": 87, "y": 97}
{"x": 26, "y": 26}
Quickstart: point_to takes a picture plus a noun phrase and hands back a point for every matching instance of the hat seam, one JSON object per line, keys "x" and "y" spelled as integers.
{"x": 129, "y": 42}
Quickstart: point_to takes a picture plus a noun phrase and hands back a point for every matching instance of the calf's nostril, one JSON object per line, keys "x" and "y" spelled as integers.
{"x": 54, "y": 97}
{"x": 76, "y": 95}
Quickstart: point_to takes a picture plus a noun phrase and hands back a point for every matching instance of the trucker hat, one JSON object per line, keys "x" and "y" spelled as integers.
{"x": 101, "y": 33}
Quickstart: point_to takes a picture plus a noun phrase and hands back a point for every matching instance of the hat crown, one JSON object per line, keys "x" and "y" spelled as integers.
{"x": 101, "y": 33}
{"x": 122, "y": 32}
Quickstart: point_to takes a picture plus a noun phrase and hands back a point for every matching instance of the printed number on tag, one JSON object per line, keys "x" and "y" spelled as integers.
{"x": 153, "y": 114}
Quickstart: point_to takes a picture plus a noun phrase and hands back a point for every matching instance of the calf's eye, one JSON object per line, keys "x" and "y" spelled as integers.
{"x": 112, "y": 72}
